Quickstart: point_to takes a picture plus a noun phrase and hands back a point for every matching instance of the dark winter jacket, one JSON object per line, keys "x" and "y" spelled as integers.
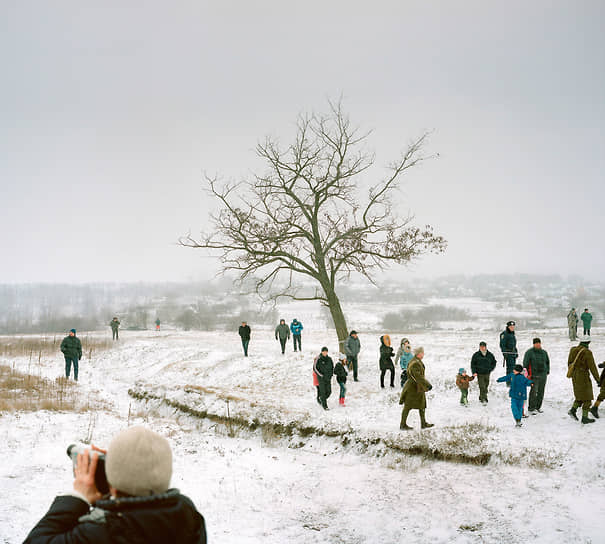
{"x": 341, "y": 373}
{"x": 386, "y": 352}
{"x": 537, "y": 362}
{"x": 170, "y": 517}
{"x": 282, "y": 332}
{"x": 518, "y": 385}
{"x": 586, "y": 318}
{"x": 244, "y": 332}
{"x": 114, "y": 324}
{"x": 352, "y": 346}
{"x": 324, "y": 367}
{"x": 296, "y": 327}
{"x": 508, "y": 343}
{"x": 72, "y": 347}
{"x": 482, "y": 364}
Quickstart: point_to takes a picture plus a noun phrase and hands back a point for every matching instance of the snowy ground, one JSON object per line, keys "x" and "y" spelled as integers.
{"x": 543, "y": 483}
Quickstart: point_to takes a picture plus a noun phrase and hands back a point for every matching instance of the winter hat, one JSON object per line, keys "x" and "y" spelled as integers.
{"x": 386, "y": 340}
{"x": 537, "y": 341}
{"x": 482, "y": 344}
{"x": 353, "y": 332}
{"x": 461, "y": 371}
{"x": 72, "y": 330}
{"x": 342, "y": 357}
{"x": 324, "y": 348}
{"x": 585, "y": 339}
{"x": 404, "y": 341}
{"x": 418, "y": 350}
{"x": 139, "y": 462}
{"x": 518, "y": 368}
{"x": 509, "y": 323}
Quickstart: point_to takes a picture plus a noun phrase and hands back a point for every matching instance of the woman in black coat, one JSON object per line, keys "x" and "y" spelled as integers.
{"x": 386, "y": 362}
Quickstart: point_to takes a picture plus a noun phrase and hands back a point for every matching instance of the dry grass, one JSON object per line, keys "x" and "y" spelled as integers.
{"x": 20, "y": 391}
{"x": 36, "y": 347}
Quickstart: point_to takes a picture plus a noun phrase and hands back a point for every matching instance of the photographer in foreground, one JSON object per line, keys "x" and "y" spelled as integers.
{"x": 140, "y": 506}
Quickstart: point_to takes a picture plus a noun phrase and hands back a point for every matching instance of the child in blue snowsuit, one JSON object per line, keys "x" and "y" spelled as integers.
{"x": 517, "y": 392}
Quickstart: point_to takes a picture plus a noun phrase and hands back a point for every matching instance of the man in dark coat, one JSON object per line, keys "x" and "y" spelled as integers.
{"x": 508, "y": 346}
{"x": 586, "y": 318}
{"x": 385, "y": 362}
{"x": 115, "y": 325}
{"x": 483, "y": 363}
{"x": 583, "y": 365}
{"x": 141, "y": 507}
{"x": 352, "y": 349}
{"x": 71, "y": 348}
{"x": 282, "y": 333}
{"x": 323, "y": 367}
{"x": 538, "y": 368}
{"x": 244, "y": 332}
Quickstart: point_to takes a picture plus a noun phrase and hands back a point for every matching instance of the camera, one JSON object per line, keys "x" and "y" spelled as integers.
{"x": 100, "y": 477}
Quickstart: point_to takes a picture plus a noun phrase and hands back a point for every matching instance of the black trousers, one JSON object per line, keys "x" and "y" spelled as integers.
{"x": 383, "y": 372}
{"x": 297, "y": 339}
{"x": 283, "y": 341}
{"x": 325, "y": 390}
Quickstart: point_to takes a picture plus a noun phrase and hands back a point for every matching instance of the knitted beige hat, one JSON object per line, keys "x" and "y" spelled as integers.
{"x": 418, "y": 350}
{"x": 139, "y": 462}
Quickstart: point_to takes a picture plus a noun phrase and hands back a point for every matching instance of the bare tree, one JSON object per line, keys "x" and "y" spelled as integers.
{"x": 304, "y": 216}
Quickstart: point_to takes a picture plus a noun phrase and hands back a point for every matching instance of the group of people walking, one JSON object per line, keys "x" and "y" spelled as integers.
{"x": 282, "y": 333}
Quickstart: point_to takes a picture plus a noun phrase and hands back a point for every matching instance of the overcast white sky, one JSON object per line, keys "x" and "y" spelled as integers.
{"x": 110, "y": 111}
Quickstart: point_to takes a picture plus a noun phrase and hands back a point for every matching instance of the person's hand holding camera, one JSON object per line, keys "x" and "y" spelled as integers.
{"x": 85, "y": 476}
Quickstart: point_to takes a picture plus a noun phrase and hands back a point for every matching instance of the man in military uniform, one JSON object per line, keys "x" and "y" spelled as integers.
{"x": 583, "y": 365}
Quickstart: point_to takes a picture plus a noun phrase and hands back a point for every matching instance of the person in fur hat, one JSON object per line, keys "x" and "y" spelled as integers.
{"x": 386, "y": 363}
{"x": 140, "y": 507}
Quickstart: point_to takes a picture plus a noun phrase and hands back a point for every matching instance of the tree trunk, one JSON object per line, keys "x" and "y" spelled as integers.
{"x": 338, "y": 317}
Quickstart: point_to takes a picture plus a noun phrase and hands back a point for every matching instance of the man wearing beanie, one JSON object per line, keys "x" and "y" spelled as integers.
{"x": 538, "y": 368}
{"x": 71, "y": 347}
{"x": 141, "y": 507}
{"x": 323, "y": 367}
{"x": 352, "y": 348}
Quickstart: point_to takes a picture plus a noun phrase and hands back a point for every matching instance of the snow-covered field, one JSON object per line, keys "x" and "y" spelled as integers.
{"x": 347, "y": 478}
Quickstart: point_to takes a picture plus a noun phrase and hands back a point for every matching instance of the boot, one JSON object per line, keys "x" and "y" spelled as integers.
{"x": 572, "y": 412}
{"x": 595, "y": 411}
{"x": 585, "y": 418}
{"x": 423, "y": 422}
{"x": 403, "y": 426}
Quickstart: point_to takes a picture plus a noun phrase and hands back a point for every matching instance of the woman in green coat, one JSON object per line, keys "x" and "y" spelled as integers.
{"x": 413, "y": 395}
{"x": 583, "y": 365}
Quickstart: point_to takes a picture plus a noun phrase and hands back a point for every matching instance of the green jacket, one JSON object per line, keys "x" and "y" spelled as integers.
{"x": 537, "y": 360}
{"x": 72, "y": 347}
{"x": 584, "y": 366}
{"x": 586, "y": 318}
{"x": 414, "y": 391}
{"x": 114, "y": 324}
